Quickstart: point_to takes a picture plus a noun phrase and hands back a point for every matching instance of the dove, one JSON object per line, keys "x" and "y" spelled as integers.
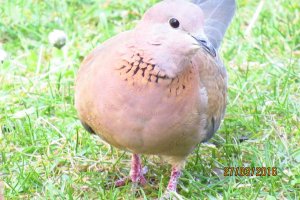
{"x": 160, "y": 88}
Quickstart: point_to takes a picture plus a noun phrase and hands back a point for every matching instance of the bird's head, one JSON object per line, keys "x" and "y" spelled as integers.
{"x": 172, "y": 31}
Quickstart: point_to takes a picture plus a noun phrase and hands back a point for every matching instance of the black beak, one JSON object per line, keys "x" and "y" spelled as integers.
{"x": 207, "y": 46}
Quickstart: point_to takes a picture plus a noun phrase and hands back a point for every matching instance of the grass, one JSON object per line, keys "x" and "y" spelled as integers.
{"x": 46, "y": 154}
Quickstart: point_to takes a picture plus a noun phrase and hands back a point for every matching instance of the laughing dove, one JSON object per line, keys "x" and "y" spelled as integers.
{"x": 159, "y": 89}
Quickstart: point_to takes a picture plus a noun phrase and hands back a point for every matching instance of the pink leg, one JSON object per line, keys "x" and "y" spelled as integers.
{"x": 176, "y": 173}
{"x": 136, "y": 172}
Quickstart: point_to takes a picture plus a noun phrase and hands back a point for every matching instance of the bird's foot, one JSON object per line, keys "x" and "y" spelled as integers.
{"x": 138, "y": 176}
{"x": 121, "y": 182}
{"x": 136, "y": 173}
{"x": 172, "y": 186}
{"x": 139, "y": 179}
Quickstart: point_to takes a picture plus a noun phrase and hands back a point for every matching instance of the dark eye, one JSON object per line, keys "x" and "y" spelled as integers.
{"x": 174, "y": 23}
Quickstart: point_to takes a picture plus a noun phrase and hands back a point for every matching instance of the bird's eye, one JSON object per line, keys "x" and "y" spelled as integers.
{"x": 174, "y": 23}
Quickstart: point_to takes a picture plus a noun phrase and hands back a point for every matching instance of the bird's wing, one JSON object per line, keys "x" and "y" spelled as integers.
{"x": 213, "y": 91}
{"x": 218, "y": 15}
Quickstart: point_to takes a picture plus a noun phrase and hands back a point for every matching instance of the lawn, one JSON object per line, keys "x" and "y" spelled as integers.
{"x": 46, "y": 154}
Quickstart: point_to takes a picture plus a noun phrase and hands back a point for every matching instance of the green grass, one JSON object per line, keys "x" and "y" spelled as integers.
{"x": 46, "y": 154}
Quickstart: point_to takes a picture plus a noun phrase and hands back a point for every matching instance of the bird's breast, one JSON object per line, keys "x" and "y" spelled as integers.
{"x": 138, "y": 107}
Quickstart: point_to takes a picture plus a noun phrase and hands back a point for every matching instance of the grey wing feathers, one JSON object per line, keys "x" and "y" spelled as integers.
{"x": 87, "y": 127}
{"x": 218, "y": 15}
{"x": 211, "y": 127}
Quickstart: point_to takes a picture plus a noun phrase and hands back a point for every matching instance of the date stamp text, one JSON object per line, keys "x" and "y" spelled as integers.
{"x": 250, "y": 171}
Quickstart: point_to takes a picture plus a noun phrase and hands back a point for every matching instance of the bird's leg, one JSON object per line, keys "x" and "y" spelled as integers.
{"x": 176, "y": 173}
{"x": 136, "y": 172}
{"x": 171, "y": 192}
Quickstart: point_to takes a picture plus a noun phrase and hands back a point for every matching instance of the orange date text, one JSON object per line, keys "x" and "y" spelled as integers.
{"x": 250, "y": 171}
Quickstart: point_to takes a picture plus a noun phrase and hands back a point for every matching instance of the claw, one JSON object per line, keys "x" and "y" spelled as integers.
{"x": 121, "y": 182}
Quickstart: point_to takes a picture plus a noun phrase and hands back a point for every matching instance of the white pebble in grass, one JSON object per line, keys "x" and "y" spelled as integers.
{"x": 58, "y": 38}
{"x": 3, "y": 55}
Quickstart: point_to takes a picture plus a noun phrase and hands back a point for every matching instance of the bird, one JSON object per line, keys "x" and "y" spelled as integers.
{"x": 160, "y": 88}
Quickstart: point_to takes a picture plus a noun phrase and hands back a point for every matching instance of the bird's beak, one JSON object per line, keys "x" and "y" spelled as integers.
{"x": 206, "y": 45}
